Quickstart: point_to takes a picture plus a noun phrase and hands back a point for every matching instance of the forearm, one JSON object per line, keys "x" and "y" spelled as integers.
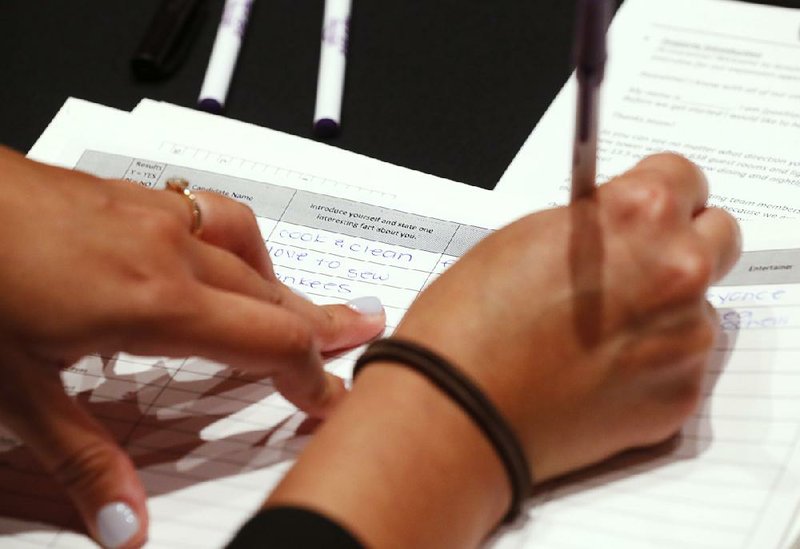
{"x": 399, "y": 464}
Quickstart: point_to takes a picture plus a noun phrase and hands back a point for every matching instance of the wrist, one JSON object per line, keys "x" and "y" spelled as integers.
{"x": 522, "y": 388}
{"x": 472, "y": 401}
{"x": 399, "y": 452}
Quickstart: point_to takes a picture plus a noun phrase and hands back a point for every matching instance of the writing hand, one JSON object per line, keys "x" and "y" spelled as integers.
{"x": 596, "y": 336}
{"x": 588, "y": 328}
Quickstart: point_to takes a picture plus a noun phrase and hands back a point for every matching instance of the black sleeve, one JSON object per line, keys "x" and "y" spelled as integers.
{"x": 292, "y": 528}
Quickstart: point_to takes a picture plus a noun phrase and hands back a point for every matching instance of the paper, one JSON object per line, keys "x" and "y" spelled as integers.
{"x": 245, "y": 144}
{"x": 731, "y": 478}
{"x": 210, "y": 444}
{"x": 715, "y": 80}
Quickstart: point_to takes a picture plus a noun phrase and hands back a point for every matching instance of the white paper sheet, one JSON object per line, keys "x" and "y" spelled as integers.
{"x": 716, "y": 80}
{"x": 209, "y": 445}
{"x": 246, "y": 144}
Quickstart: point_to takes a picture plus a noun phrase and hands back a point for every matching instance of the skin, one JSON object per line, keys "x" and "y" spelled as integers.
{"x": 588, "y": 328}
{"x": 95, "y": 266}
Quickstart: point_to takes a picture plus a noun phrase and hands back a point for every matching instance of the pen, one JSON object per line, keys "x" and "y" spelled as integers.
{"x": 332, "y": 59}
{"x": 223, "y": 55}
{"x": 590, "y": 60}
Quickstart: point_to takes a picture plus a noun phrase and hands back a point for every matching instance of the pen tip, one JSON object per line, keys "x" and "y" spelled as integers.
{"x": 210, "y": 105}
{"x": 326, "y": 127}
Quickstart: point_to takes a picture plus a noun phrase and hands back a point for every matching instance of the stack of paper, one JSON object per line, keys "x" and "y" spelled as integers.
{"x": 209, "y": 446}
{"x": 716, "y": 80}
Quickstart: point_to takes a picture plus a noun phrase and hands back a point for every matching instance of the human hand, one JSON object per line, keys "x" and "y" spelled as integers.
{"x": 89, "y": 266}
{"x": 586, "y": 326}
{"x": 595, "y": 337}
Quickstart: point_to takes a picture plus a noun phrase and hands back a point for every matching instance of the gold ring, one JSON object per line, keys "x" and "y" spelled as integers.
{"x": 181, "y": 186}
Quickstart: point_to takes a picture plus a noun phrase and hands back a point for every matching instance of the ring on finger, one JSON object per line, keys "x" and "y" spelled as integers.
{"x": 181, "y": 186}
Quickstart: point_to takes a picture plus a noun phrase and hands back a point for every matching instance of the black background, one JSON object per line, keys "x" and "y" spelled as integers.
{"x": 449, "y": 87}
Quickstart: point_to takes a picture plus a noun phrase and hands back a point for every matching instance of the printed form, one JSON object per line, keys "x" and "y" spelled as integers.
{"x": 715, "y": 80}
{"x": 210, "y": 443}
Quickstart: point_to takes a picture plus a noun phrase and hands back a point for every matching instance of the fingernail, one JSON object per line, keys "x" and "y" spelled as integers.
{"x": 116, "y": 524}
{"x": 368, "y": 305}
{"x": 301, "y": 294}
{"x": 739, "y": 239}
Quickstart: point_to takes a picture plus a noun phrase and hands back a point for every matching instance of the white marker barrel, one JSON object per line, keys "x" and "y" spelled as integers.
{"x": 332, "y": 61}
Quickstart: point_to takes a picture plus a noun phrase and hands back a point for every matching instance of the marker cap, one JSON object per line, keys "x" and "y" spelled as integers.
{"x": 210, "y": 105}
{"x": 326, "y": 127}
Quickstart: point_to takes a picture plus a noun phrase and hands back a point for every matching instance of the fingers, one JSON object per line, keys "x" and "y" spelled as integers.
{"x": 340, "y": 326}
{"x": 97, "y": 475}
{"x": 317, "y": 395}
{"x": 231, "y": 234}
{"x": 232, "y": 226}
{"x": 242, "y": 315}
{"x": 721, "y": 235}
{"x": 694, "y": 256}
{"x": 259, "y": 337}
{"x": 662, "y": 186}
{"x": 265, "y": 338}
{"x": 222, "y": 269}
{"x": 226, "y": 223}
{"x": 658, "y": 209}
{"x": 335, "y": 326}
{"x": 684, "y": 178}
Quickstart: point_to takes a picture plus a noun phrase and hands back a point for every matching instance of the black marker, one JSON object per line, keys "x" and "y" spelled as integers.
{"x": 168, "y": 38}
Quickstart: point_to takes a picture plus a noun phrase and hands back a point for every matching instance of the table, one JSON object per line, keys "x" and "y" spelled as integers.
{"x": 448, "y": 87}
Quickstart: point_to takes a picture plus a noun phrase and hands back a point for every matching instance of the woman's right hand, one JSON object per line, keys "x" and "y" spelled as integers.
{"x": 588, "y": 328}
{"x": 588, "y": 325}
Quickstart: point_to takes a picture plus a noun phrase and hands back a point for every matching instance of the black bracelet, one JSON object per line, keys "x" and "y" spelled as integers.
{"x": 471, "y": 399}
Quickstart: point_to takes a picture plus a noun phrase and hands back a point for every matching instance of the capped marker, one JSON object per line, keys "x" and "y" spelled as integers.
{"x": 332, "y": 62}
{"x": 224, "y": 55}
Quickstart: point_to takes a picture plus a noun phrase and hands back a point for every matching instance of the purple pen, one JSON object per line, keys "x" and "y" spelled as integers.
{"x": 590, "y": 62}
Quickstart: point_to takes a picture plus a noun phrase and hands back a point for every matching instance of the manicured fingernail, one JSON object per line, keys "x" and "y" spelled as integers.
{"x": 738, "y": 236}
{"x": 116, "y": 524}
{"x": 301, "y": 294}
{"x": 368, "y": 305}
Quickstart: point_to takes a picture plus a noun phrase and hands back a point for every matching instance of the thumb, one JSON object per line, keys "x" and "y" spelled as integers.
{"x": 81, "y": 455}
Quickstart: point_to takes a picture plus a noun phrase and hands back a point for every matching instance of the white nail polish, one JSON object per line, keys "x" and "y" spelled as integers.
{"x": 116, "y": 524}
{"x": 301, "y": 294}
{"x": 368, "y": 305}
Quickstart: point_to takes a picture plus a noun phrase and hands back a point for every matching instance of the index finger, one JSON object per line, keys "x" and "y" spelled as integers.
{"x": 249, "y": 334}
{"x": 226, "y": 223}
{"x": 685, "y": 182}
{"x": 720, "y": 233}
{"x": 232, "y": 225}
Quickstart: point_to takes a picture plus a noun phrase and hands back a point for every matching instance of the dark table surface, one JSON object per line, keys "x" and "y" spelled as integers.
{"x": 448, "y": 87}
